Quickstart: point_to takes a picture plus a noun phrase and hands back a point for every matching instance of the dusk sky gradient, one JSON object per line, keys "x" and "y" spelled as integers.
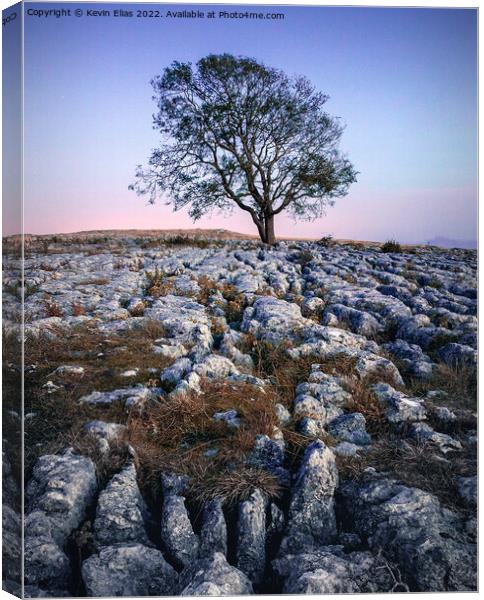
{"x": 404, "y": 81}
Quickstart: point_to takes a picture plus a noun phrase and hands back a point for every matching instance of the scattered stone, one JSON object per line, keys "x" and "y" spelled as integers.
{"x": 424, "y": 433}
{"x": 350, "y": 428}
{"x": 400, "y": 408}
{"x": 230, "y": 417}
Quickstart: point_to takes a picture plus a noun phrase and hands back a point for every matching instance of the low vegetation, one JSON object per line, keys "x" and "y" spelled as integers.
{"x": 416, "y": 464}
{"x": 54, "y": 418}
{"x": 181, "y": 435}
{"x": 391, "y": 246}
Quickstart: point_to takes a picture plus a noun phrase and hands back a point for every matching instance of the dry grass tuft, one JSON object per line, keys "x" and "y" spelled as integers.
{"x": 339, "y": 365}
{"x": 53, "y": 309}
{"x": 459, "y": 382}
{"x": 415, "y": 464}
{"x": 366, "y": 403}
{"x": 175, "y": 435}
{"x": 234, "y": 485}
{"x": 234, "y": 301}
{"x": 107, "y": 463}
{"x": 158, "y": 284}
{"x": 77, "y": 309}
{"x": 94, "y": 280}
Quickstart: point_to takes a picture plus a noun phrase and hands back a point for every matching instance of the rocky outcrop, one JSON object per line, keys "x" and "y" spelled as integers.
{"x": 425, "y": 540}
{"x": 128, "y": 570}
{"x": 251, "y": 536}
{"x": 177, "y": 535}
{"x": 60, "y": 491}
{"x": 371, "y": 333}
{"x": 311, "y": 520}
{"x": 213, "y": 577}
{"x": 121, "y": 512}
{"x": 329, "y": 570}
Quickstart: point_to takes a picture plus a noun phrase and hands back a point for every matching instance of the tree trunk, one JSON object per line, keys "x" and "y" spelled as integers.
{"x": 270, "y": 236}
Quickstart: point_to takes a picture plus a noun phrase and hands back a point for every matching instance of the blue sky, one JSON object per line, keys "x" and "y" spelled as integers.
{"x": 403, "y": 80}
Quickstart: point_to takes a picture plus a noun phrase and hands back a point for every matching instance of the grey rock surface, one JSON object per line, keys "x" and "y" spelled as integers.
{"x": 329, "y": 570}
{"x": 251, "y": 536}
{"x": 46, "y": 565}
{"x": 213, "y": 534}
{"x": 128, "y": 570}
{"x": 355, "y": 317}
{"x": 311, "y": 519}
{"x": 121, "y": 512}
{"x": 213, "y": 577}
{"x": 177, "y": 534}
{"x": 425, "y": 540}
{"x": 62, "y": 486}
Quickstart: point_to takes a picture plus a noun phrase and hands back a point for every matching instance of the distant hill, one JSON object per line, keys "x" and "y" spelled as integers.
{"x": 444, "y": 242}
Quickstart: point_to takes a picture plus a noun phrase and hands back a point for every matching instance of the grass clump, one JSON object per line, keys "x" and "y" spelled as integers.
{"x": 180, "y": 435}
{"x": 158, "y": 284}
{"x": 366, "y": 403}
{"x": 53, "y": 309}
{"x": 391, "y": 246}
{"x": 458, "y": 382}
{"x": 56, "y": 419}
{"x": 274, "y": 363}
{"x": 415, "y": 464}
{"x": 233, "y": 301}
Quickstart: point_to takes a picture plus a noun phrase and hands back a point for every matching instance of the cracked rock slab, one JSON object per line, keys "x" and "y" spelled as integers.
{"x": 213, "y": 577}
{"x": 121, "y": 511}
{"x": 311, "y": 519}
{"x": 426, "y": 541}
{"x": 128, "y": 570}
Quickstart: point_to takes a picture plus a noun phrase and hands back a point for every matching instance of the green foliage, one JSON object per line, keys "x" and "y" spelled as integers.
{"x": 238, "y": 133}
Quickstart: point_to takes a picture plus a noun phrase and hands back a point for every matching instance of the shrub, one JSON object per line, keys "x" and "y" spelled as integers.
{"x": 326, "y": 241}
{"x": 391, "y": 246}
{"x": 185, "y": 240}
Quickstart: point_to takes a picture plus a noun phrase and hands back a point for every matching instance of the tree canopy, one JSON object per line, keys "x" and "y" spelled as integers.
{"x": 237, "y": 133}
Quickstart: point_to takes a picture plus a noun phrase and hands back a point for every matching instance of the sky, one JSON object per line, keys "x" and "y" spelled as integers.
{"x": 404, "y": 82}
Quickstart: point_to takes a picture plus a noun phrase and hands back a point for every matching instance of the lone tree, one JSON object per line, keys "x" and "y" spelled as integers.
{"x": 238, "y": 133}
